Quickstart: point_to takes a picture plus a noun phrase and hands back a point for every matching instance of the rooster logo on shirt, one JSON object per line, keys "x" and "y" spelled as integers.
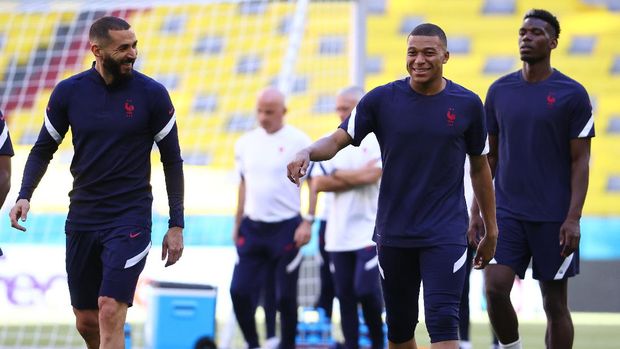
{"x": 450, "y": 117}
{"x": 550, "y": 100}
{"x": 129, "y": 108}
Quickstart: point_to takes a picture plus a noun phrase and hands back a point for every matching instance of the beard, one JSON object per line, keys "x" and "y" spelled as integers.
{"x": 113, "y": 67}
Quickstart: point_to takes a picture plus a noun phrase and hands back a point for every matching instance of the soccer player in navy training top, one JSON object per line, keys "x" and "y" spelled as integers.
{"x": 540, "y": 124}
{"x": 425, "y": 125}
{"x": 115, "y": 114}
{"x": 6, "y": 152}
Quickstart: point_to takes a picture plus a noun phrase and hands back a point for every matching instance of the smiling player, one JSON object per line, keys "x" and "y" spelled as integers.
{"x": 425, "y": 125}
{"x": 115, "y": 114}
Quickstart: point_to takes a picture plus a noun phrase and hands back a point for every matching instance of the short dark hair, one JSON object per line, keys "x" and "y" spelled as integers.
{"x": 99, "y": 30}
{"x": 546, "y": 16}
{"x": 429, "y": 29}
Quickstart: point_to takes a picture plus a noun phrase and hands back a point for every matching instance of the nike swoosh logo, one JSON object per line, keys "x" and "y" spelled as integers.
{"x": 134, "y": 235}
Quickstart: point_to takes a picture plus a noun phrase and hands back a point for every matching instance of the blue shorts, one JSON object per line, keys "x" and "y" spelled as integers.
{"x": 519, "y": 241}
{"x": 105, "y": 263}
{"x": 442, "y": 269}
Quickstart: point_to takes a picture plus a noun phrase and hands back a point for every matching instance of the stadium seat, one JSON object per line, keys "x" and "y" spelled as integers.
{"x": 613, "y": 126}
{"x": 615, "y": 68}
{"x": 499, "y": 64}
{"x": 613, "y": 184}
{"x": 501, "y": 7}
{"x": 582, "y": 44}
{"x": 459, "y": 45}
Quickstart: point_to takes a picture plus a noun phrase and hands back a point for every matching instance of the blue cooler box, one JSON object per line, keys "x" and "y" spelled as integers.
{"x": 180, "y": 316}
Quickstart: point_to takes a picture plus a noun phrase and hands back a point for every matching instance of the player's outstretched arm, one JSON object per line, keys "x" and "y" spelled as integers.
{"x": 483, "y": 188}
{"x": 323, "y": 149}
{"x": 19, "y": 211}
{"x": 172, "y": 245}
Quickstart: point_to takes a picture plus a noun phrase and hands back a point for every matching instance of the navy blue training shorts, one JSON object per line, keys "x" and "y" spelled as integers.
{"x": 105, "y": 263}
{"x": 519, "y": 241}
{"x": 442, "y": 271}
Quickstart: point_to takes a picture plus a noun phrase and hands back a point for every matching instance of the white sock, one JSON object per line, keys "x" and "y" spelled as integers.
{"x": 514, "y": 345}
{"x": 465, "y": 345}
{"x": 272, "y": 343}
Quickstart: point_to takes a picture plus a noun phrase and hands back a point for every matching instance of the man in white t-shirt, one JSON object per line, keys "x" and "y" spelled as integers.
{"x": 268, "y": 229}
{"x": 353, "y": 180}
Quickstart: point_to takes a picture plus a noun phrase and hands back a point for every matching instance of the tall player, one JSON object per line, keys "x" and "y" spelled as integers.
{"x": 269, "y": 229}
{"x": 6, "y": 152}
{"x": 353, "y": 179}
{"x": 115, "y": 114}
{"x": 540, "y": 126}
{"x": 425, "y": 125}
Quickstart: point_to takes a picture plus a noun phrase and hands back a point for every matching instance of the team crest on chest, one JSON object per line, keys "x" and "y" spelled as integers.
{"x": 550, "y": 100}
{"x": 129, "y": 108}
{"x": 450, "y": 117}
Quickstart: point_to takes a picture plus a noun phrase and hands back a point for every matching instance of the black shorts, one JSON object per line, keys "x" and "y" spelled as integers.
{"x": 521, "y": 241}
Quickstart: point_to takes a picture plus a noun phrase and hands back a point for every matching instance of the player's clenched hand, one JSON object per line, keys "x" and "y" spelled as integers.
{"x": 297, "y": 168}
{"x": 303, "y": 233}
{"x": 570, "y": 235}
{"x": 172, "y": 245}
{"x": 20, "y": 210}
{"x": 486, "y": 250}
{"x": 475, "y": 230}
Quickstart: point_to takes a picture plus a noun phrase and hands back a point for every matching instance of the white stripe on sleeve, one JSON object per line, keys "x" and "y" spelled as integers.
{"x": 164, "y": 131}
{"x": 486, "y": 149}
{"x": 586, "y": 129}
{"x": 4, "y": 135}
{"x": 351, "y": 125}
{"x": 51, "y": 130}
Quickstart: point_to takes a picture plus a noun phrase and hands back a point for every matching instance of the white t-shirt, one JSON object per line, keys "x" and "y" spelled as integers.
{"x": 351, "y": 218}
{"x": 261, "y": 159}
